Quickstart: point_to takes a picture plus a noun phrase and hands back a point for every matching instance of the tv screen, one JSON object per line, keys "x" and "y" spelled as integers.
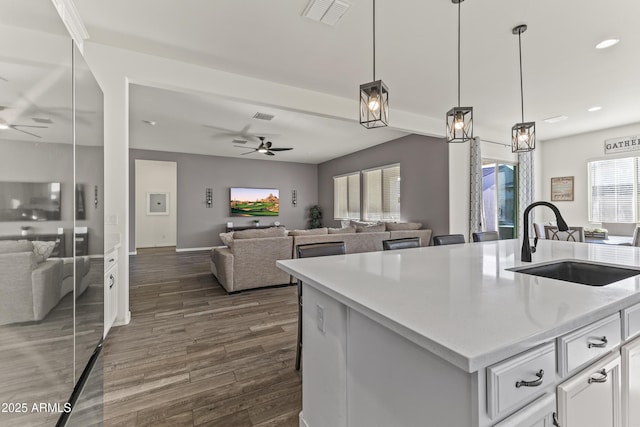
{"x": 255, "y": 202}
{"x": 29, "y": 201}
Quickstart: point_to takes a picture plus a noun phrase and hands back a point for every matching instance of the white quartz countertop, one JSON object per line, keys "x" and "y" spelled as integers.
{"x": 460, "y": 303}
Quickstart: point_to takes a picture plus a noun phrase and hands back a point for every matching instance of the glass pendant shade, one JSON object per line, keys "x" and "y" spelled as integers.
{"x": 374, "y": 104}
{"x": 460, "y": 124}
{"x": 523, "y": 137}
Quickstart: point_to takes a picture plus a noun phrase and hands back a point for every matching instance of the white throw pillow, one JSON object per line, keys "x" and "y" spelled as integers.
{"x": 43, "y": 250}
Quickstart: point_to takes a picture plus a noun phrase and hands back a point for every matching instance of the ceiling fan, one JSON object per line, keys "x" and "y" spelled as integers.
{"x": 4, "y": 125}
{"x": 264, "y": 148}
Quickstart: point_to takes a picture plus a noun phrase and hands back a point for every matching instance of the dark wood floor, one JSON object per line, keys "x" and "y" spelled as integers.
{"x": 195, "y": 356}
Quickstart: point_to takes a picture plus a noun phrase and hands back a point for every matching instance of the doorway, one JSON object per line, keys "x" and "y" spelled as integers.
{"x": 156, "y": 186}
{"x": 500, "y": 197}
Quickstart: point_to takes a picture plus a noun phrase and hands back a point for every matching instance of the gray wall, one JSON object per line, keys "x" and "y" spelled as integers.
{"x": 50, "y": 162}
{"x": 424, "y": 169}
{"x": 199, "y": 226}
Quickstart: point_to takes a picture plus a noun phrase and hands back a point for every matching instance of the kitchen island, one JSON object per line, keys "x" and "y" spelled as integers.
{"x": 431, "y": 336}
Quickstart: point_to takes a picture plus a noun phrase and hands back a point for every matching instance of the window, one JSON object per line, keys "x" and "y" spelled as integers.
{"x": 500, "y": 198}
{"x": 346, "y": 196}
{"x": 381, "y": 198}
{"x": 613, "y": 195}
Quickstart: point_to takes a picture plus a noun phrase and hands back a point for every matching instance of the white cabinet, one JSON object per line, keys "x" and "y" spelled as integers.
{"x": 537, "y": 414}
{"x": 592, "y": 397}
{"x": 110, "y": 289}
{"x": 631, "y": 384}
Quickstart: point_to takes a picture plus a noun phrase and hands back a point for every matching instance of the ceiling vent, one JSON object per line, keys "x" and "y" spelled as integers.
{"x": 326, "y": 11}
{"x": 263, "y": 116}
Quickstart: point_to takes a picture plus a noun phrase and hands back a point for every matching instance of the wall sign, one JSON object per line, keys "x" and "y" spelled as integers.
{"x": 562, "y": 189}
{"x": 621, "y": 145}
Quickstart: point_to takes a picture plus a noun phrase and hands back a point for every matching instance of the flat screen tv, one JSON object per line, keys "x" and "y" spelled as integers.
{"x": 29, "y": 201}
{"x": 254, "y": 202}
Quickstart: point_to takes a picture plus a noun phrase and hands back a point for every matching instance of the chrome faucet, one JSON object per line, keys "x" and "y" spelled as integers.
{"x": 525, "y": 255}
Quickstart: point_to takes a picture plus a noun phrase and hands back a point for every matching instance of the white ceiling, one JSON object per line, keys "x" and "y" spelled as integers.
{"x": 416, "y": 57}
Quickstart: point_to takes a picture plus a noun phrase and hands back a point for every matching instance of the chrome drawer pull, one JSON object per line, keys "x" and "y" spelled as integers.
{"x": 602, "y": 344}
{"x": 602, "y": 379}
{"x": 534, "y": 383}
{"x": 556, "y": 423}
{"x": 112, "y": 281}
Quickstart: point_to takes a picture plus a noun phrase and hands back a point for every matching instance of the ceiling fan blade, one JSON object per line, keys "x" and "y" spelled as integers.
{"x": 281, "y": 149}
{"x": 269, "y": 153}
{"x": 240, "y": 146}
{"x": 24, "y": 131}
{"x": 248, "y": 152}
{"x": 29, "y": 126}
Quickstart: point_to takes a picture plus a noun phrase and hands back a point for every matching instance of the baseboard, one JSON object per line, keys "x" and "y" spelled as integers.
{"x": 133, "y": 253}
{"x": 208, "y": 248}
{"x": 303, "y": 423}
{"x": 120, "y": 322}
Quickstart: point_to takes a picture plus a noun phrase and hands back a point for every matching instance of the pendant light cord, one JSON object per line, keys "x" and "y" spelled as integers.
{"x": 458, "y": 52}
{"x": 521, "y": 85}
{"x": 374, "y": 40}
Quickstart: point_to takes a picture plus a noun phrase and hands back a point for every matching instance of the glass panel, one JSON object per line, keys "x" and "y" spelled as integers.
{"x": 489, "y": 196}
{"x": 36, "y": 289}
{"x": 507, "y": 201}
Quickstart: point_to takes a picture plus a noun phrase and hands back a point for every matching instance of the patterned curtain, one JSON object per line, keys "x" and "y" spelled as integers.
{"x": 526, "y": 189}
{"x": 476, "y": 207}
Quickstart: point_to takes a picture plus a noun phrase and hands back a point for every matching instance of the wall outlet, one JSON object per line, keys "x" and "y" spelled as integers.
{"x": 320, "y": 317}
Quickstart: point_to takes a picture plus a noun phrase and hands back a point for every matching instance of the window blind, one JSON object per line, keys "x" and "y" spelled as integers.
{"x": 614, "y": 189}
{"x": 382, "y": 194}
{"x": 346, "y": 196}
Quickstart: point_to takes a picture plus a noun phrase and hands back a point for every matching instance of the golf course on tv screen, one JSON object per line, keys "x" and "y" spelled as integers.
{"x": 255, "y": 202}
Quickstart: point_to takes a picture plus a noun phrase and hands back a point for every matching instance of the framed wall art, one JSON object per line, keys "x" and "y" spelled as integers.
{"x": 562, "y": 189}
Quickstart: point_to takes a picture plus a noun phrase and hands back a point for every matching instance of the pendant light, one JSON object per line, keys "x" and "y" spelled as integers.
{"x": 523, "y": 135}
{"x": 459, "y": 119}
{"x": 374, "y": 96}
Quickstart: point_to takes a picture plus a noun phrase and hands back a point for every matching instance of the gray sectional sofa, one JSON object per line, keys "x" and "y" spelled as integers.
{"x": 249, "y": 259}
{"x": 29, "y": 289}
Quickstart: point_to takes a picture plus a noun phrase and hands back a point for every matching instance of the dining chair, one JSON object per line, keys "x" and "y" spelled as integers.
{"x": 403, "y": 243}
{"x": 308, "y": 251}
{"x": 448, "y": 239}
{"x": 636, "y": 237}
{"x": 485, "y": 236}
{"x": 573, "y": 234}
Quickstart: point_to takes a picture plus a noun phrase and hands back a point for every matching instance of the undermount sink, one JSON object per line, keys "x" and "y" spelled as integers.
{"x": 584, "y": 273}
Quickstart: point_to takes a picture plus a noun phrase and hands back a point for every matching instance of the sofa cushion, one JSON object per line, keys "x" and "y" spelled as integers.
{"x": 310, "y": 232}
{"x": 345, "y": 230}
{"x": 11, "y": 246}
{"x": 376, "y": 228}
{"x": 227, "y": 239}
{"x": 260, "y": 233}
{"x": 43, "y": 250}
{"x": 398, "y": 226}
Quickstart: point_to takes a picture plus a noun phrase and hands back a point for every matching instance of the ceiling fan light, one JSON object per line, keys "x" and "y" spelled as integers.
{"x": 523, "y": 137}
{"x": 374, "y": 104}
{"x": 3, "y": 125}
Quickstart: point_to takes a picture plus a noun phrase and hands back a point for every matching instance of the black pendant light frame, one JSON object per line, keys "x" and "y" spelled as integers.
{"x": 523, "y": 134}
{"x": 374, "y": 94}
{"x": 459, "y": 119}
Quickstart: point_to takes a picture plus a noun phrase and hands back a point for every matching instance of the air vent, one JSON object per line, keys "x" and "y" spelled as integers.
{"x": 239, "y": 141}
{"x": 42, "y": 120}
{"x": 556, "y": 119}
{"x": 263, "y": 116}
{"x": 326, "y": 11}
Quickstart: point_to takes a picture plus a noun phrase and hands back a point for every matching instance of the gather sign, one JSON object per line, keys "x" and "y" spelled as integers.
{"x": 621, "y": 145}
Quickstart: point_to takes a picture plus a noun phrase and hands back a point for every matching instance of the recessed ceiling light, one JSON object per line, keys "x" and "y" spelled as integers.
{"x": 607, "y": 43}
{"x": 149, "y": 122}
{"x": 596, "y": 108}
{"x": 556, "y": 119}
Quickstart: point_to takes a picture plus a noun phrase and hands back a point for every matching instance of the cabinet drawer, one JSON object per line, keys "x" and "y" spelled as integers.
{"x": 631, "y": 322}
{"x": 110, "y": 259}
{"x": 517, "y": 381}
{"x": 537, "y": 414}
{"x": 580, "y": 347}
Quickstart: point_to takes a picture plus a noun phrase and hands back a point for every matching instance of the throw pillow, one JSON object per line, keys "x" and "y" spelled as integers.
{"x": 43, "y": 250}
{"x": 377, "y": 228}
{"x": 399, "y": 226}
{"x": 364, "y": 223}
{"x": 260, "y": 233}
{"x": 345, "y": 230}
{"x": 11, "y": 246}
{"x": 227, "y": 238}
{"x": 310, "y": 232}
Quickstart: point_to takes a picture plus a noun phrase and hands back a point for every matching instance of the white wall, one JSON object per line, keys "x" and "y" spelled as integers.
{"x": 569, "y": 157}
{"x": 156, "y": 177}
